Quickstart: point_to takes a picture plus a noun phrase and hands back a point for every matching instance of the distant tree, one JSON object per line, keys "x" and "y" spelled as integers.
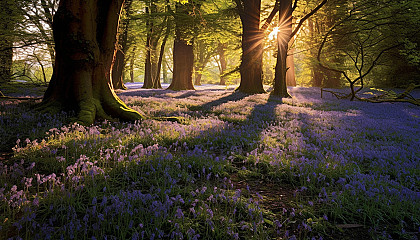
{"x": 285, "y": 34}
{"x": 217, "y": 33}
{"x": 366, "y": 36}
{"x": 39, "y": 13}
{"x": 221, "y": 51}
{"x": 154, "y": 34}
{"x": 85, "y": 36}
{"x": 122, "y": 48}
{"x": 8, "y": 19}
{"x": 203, "y": 53}
{"x": 183, "y": 52}
{"x": 252, "y": 46}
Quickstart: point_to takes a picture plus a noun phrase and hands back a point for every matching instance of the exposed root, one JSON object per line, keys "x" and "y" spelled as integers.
{"x": 117, "y": 108}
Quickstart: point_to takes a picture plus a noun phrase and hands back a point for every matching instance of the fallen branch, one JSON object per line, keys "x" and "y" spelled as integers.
{"x": 415, "y": 102}
{"x": 338, "y": 95}
{"x": 386, "y": 97}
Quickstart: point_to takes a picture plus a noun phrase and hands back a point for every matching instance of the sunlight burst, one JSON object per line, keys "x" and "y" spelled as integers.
{"x": 273, "y": 33}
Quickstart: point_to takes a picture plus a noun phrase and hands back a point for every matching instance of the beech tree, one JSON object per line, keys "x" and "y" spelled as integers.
{"x": 85, "y": 36}
{"x": 8, "y": 14}
{"x": 252, "y": 46}
{"x": 121, "y": 49}
{"x": 221, "y": 50}
{"x": 285, "y": 34}
{"x": 183, "y": 53}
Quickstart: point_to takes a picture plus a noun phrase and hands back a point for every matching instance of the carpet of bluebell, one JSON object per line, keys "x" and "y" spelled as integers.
{"x": 347, "y": 163}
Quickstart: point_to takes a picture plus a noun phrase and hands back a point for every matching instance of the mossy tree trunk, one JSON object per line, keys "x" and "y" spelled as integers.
{"x": 283, "y": 38}
{"x": 252, "y": 47}
{"x": 85, "y": 36}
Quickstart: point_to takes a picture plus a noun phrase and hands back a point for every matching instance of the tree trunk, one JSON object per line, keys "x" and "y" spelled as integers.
{"x": 117, "y": 70}
{"x": 317, "y": 75}
{"x": 252, "y": 48}
{"x": 164, "y": 70}
{"x": 6, "y": 41}
{"x": 332, "y": 79}
{"x": 283, "y": 39}
{"x": 198, "y": 75}
{"x": 203, "y": 52}
{"x": 147, "y": 81}
{"x": 223, "y": 64}
{"x": 156, "y": 80}
{"x": 183, "y": 66}
{"x": 119, "y": 62}
{"x": 152, "y": 69}
{"x": 132, "y": 58}
{"x": 290, "y": 74}
{"x": 85, "y": 36}
{"x": 183, "y": 53}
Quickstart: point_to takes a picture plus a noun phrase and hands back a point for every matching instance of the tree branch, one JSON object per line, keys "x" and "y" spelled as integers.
{"x": 306, "y": 17}
{"x": 271, "y": 16}
{"x": 294, "y": 5}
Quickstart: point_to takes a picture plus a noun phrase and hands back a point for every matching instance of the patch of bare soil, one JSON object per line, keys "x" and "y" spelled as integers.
{"x": 276, "y": 197}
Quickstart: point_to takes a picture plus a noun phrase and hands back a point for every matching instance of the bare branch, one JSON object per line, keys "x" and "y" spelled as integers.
{"x": 294, "y": 5}
{"x": 306, "y": 17}
{"x": 271, "y": 16}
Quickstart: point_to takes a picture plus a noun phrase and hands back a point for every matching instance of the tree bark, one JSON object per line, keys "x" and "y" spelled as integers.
{"x": 164, "y": 70}
{"x": 223, "y": 64}
{"x": 283, "y": 38}
{"x": 118, "y": 69}
{"x": 203, "y": 53}
{"x": 120, "y": 59}
{"x": 85, "y": 36}
{"x": 252, "y": 48}
{"x": 183, "y": 54}
{"x": 147, "y": 81}
{"x": 6, "y": 41}
{"x": 290, "y": 65}
{"x": 198, "y": 76}
{"x": 152, "y": 68}
{"x": 183, "y": 65}
{"x": 132, "y": 58}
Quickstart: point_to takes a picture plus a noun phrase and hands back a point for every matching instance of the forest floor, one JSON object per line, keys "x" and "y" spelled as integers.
{"x": 239, "y": 167}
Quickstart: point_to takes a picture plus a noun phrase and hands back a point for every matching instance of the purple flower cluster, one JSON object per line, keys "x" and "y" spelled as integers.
{"x": 159, "y": 179}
